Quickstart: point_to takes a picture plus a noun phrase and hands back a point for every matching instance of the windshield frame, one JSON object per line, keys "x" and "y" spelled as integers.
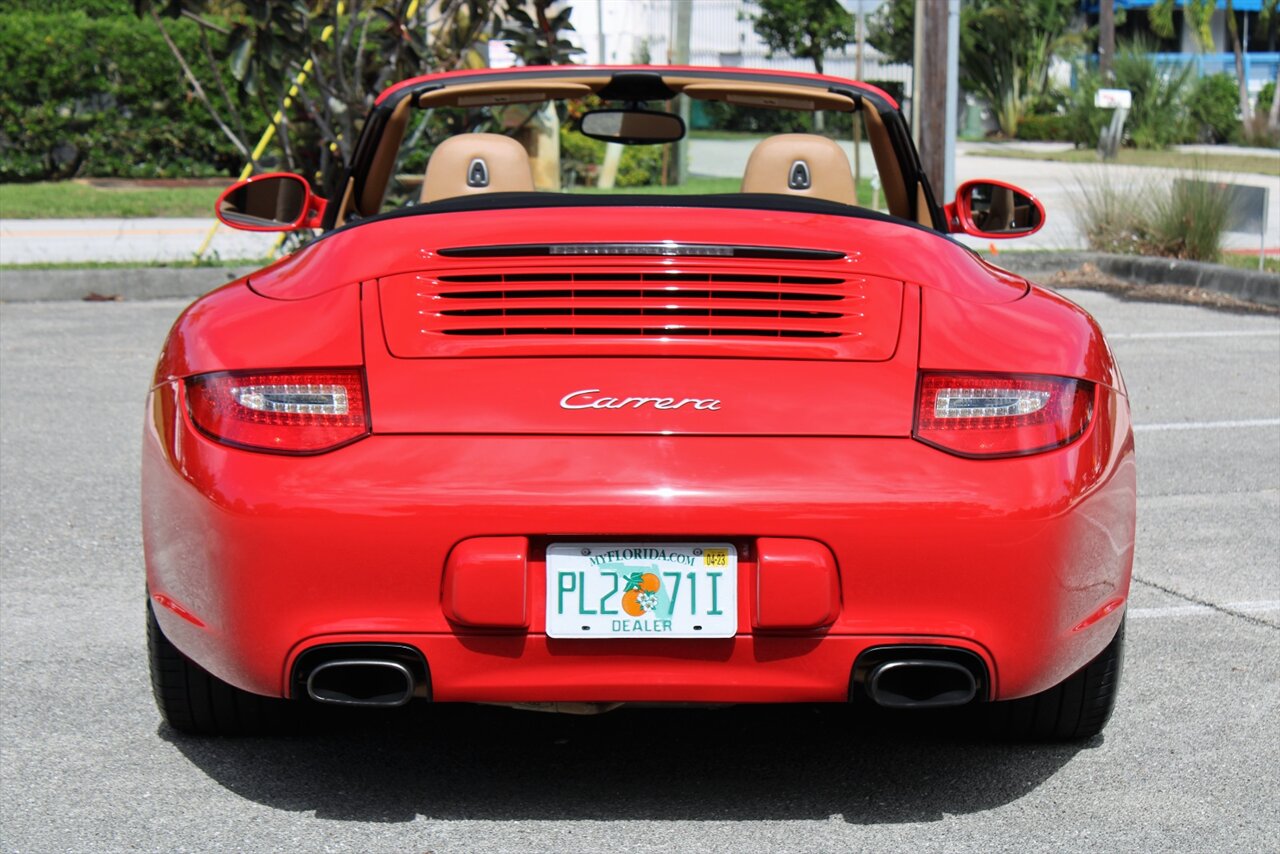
{"x": 636, "y": 84}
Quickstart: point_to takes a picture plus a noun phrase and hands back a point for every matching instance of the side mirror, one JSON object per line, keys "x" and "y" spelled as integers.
{"x": 994, "y": 209}
{"x": 278, "y": 201}
{"x": 632, "y": 127}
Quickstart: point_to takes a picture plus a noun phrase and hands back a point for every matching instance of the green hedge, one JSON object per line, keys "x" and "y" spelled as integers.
{"x": 102, "y": 96}
{"x": 639, "y": 166}
{"x": 1212, "y": 107}
{"x": 1049, "y": 128}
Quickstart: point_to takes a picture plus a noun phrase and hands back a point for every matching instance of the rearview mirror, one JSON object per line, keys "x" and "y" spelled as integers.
{"x": 278, "y": 201}
{"x": 994, "y": 209}
{"x": 632, "y": 127}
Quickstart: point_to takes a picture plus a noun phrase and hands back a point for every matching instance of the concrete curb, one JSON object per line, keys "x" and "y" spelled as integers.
{"x": 143, "y": 283}
{"x": 1250, "y": 285}
{"x": 129, "y": 283}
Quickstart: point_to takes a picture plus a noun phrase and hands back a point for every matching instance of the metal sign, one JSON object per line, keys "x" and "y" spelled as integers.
{"x": 1248, "y": 208}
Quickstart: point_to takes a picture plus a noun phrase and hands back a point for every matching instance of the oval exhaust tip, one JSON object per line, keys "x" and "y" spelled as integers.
{"x": 916, "y": 684}
{"x": 361, "y": 682}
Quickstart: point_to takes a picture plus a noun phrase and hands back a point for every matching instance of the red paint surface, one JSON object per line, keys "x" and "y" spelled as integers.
{"x": 257, "y": 557}
{"x": 797, "y": 584}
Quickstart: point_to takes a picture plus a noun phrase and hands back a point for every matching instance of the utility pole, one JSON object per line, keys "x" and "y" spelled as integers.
{"x": 603, "y": 60}
{"x": 857, "y": 119}
{"x": 951, "y": 123}
{"x": 684, "y": 23}
{"x": 917, "y": 69}
{"x": 1106, "y": 37}
{"x": 929, "y": 85}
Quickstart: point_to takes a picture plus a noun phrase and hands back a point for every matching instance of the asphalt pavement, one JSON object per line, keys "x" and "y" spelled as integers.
{"x": 1190, "y": 761}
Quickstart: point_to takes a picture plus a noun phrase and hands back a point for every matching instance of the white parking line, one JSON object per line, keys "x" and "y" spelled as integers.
{"x": 1226, "y": 333}
{"x": 1206, "y": 425}
{"x": 1193, "y": 610}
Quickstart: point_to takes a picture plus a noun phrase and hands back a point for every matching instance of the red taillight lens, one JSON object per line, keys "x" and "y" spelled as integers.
{"x": 288, "y": 412}
{"x": 1001, "y": 415}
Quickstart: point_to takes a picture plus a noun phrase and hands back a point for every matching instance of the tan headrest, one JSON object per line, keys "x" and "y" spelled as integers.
{"x": 476, "y": 163}
{"x": 800, "y": 164}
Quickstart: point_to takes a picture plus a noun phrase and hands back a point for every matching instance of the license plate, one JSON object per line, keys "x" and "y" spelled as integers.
{"x": 632, "y": 590}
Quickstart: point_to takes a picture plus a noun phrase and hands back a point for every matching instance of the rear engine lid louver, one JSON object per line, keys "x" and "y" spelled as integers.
{"x": 695, "y": 310}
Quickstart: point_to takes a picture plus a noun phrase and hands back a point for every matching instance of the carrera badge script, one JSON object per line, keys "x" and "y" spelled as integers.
{"x": 586, "y": 399}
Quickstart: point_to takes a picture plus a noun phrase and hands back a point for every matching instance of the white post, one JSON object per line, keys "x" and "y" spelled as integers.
{"x": 602, "y": 60}
{"x": 1266, "y": 208}
{"x": 917, "y": 61}
{"x": 953, "y": 95}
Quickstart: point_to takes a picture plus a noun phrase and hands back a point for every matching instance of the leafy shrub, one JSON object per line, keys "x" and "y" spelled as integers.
{"x": 92, "y": 8}
{"x": 102, "y": 96}
{"x": 1211, "y": 107}
{"x": 1184, "y": 218}
{"x": 1083, "y": 121}
{"x": 1259, "y": 133}
{"x": 1051, "y": 127}
{"x": 580, "y": 155}
{"x": 1112, "y": 219}
{"x": 1265, "y": 96}
{"x": 640, "y": 165}
{"x": 1158, "y": 117}
{"x": 1187, "y": 221}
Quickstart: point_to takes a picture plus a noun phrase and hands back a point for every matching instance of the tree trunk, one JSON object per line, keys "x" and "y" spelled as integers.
{"x": 1106, "y": 37}
{"x": 1246, "y": 114}
{"x": 819, "y": 125}
{"x": 1273, "y": 117}
{"x": 931, "y": 91}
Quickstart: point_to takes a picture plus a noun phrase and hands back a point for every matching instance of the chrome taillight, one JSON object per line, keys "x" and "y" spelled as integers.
{"x": 287, "y": 412}
{"x": 1001, "y": 415}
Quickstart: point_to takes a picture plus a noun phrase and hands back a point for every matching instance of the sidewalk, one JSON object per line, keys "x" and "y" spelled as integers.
{"x": 1056, "y": 184}
{"x": 37, "y": 241}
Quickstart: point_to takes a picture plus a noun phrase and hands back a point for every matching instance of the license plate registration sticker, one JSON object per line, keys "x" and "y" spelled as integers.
{"x": 629, "y": 590}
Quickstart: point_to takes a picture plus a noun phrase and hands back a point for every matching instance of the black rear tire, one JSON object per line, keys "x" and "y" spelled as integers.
{"x": 194, "y": 701}
{"x": 1076, "y": 708}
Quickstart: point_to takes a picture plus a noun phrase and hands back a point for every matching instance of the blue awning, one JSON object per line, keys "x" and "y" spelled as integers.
{"x": 1091, "y": 6}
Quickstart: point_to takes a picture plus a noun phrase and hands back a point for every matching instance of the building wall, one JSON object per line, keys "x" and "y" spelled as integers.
{"x": 721, "y": 35}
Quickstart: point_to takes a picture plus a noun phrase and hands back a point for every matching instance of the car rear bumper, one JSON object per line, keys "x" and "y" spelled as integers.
{"x": 255, "y": 558}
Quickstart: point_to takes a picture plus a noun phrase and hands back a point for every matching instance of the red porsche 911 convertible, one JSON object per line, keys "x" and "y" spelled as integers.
{"x": 483, "y": 442}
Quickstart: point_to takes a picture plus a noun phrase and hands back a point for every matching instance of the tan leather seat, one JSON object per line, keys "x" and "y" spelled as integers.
{"x": 476, "y": 163}
{"x": 800, "y": 164}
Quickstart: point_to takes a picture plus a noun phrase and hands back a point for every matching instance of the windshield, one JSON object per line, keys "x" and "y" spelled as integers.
{"x": 728, "y": 148}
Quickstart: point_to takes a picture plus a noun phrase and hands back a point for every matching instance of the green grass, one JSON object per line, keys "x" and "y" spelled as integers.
{"x": 76, "y": 200}
{"x": 698, "y": 185}
{"x": 712, "y": 133}
{"x": 1270, "y": 264}
{"x": 1133, "y": 157}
